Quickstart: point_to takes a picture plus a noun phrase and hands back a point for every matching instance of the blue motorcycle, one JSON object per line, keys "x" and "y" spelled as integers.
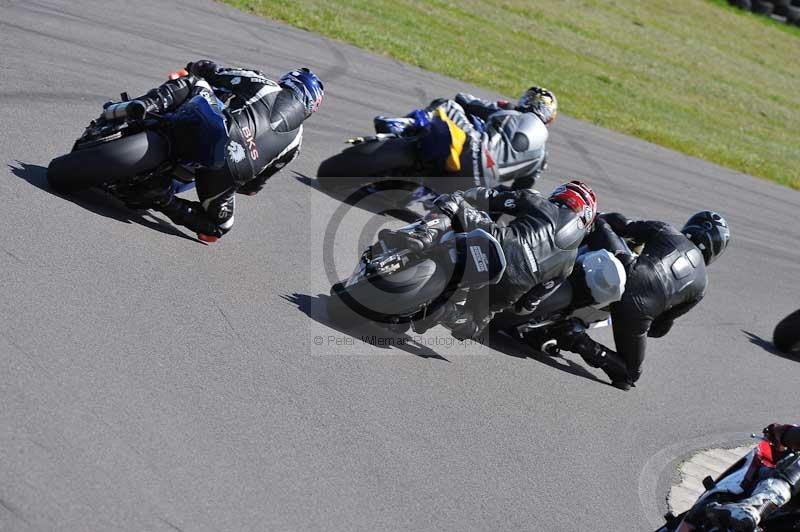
{"x": 118, "y": 152}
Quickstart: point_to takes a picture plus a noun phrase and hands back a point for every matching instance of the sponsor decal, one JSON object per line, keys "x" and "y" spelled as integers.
{"x": 235, "y": 152}
{"x": 250, "y": 140}
{"x": 510, "y": 204}
{"x": 236, "y": 80}
{"x": 480, "y": 259}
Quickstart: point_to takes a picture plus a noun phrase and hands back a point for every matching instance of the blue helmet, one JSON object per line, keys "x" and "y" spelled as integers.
{"x": 307, "y": 86}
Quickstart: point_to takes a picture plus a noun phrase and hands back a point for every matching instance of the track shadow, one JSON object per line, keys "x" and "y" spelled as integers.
{"x": 384, "y": 202}
{"x": 505, "y": 344}
{"x": 768, "y": 346}
{"x": 98, "y": 202}
{"x": 366, "y": 332}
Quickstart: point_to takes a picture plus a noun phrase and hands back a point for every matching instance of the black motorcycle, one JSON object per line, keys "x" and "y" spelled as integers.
{"x": 118, "y": 151}
{"x": 427, "y": 147}
{"x": 399, "y": 288}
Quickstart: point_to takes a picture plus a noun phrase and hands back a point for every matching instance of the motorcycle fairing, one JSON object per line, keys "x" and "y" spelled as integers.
{"x": 481, "y": 259}
{"x": 743, "y": 475}
{"x": 443, "y": 141}
{"x": 202, "y": 128}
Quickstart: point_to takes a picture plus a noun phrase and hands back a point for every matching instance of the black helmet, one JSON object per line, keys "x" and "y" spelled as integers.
{"x": 709, "y": 232}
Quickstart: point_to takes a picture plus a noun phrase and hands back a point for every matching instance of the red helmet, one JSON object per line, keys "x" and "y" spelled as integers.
{"x": 578, "y": 197}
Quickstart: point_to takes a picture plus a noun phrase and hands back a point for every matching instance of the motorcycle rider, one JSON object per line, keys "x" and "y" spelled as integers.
{"x": 503, "y": 141}
{"x": 665, "y": 282}
{"x": 771, "y": 492}
{"x": 264, "y": 130}
{"x": 540, "y": 246}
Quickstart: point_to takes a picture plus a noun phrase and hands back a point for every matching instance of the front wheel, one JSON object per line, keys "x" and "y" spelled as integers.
{"x": 787, "y": 334}
{"x": 108, "y": 162}
{"x": 394, "y": 298}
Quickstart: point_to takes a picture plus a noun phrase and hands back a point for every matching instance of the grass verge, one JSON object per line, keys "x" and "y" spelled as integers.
{"x": 694, "y": 75}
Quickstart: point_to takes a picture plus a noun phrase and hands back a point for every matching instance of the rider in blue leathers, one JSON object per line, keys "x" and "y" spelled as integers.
{"x": 264, "y": 126}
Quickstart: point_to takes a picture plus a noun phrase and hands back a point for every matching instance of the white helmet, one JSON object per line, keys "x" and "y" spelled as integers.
{"x": 605, "y": 277}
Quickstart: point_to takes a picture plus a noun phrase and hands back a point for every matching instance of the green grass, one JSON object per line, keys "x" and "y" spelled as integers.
{"x": 694, "y": 75}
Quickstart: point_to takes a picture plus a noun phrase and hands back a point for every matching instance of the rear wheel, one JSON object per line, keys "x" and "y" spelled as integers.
{"x": 108, "y": 162}
{"x": 377, "y": 158}
{"x": 787, "y": 334}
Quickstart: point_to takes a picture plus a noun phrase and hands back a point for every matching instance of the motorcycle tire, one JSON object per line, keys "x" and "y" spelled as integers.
{"x": 389, "y": 299}
{"x": 108, "y": 162}
{"x": 743, "y": 4}
{"x": 378, "y": 158}
{"x": 787, "y": 334}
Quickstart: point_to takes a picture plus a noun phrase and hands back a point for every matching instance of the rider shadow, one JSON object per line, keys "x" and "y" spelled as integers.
{"x": 766, "y": 345}
{"x": 367, "y": 332}
{"x": 97, "y": 201}
{"x": 507, "y": 345}
{"x": 390, "y": 202}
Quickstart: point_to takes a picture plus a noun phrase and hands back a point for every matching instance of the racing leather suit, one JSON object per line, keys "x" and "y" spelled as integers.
{"x": 540, "y": 246}
{"x": 503, "y": 144}
{"x": 264, "y": 126}
{"x": 772, "y": 490}
{"x": 666, "y": 281}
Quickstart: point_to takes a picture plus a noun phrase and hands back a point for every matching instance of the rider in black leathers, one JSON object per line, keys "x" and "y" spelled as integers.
{"x": 540, "y": 246}
{"x": 771, "y": 492}
{"x": 666, "y": 281}
{"x": 505, "y": 141}
{"x": 264, "y": 122}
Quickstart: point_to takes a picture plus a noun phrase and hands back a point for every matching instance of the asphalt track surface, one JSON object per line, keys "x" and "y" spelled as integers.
{"x": 150, "y": 382}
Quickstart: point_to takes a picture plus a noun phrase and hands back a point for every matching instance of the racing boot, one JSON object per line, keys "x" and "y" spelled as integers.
{"x": 611, "y": 364}
{"x": 417, "y": 237}
{"x": 745, "y": 516}
{"x": 191, "y": 214}
{"x": 596, "y": 356}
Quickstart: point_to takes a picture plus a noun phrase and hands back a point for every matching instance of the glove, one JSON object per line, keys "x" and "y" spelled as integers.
{"x": 203, "y": 68}
{"x": 774, "y": 432}
{"x": 447, "y": 204}
{"x": 418, "y": 237}
{"x": 659, "y": 327}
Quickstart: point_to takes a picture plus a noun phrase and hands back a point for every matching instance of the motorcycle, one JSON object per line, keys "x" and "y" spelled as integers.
{"x": 786, "y": 336}
{"x": 732, "y": 485}
{"x": 428, "y": 146}
{"x": 400, "y": 288}
{"x": 118, "y": 151}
